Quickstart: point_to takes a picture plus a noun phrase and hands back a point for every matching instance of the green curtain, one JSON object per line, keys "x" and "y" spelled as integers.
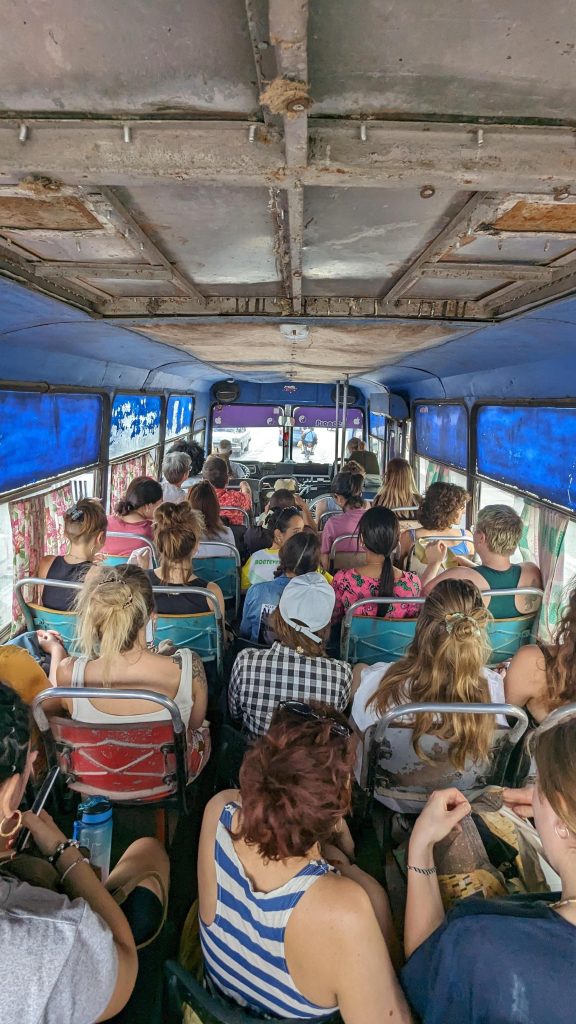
{"x": 552, "y": 528}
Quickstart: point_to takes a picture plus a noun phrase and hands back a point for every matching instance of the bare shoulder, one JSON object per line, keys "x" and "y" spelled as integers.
{"x": 338, "y": 904}
{"x": 530, "y": 575}
{"x": 64, "y": 671}
{"x": 529, "y": 658}
{"x": 45, "y": 563}
{"x": 216, "y": 805}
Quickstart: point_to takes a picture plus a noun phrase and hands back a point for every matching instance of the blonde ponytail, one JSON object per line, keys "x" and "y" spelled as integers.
{"x": 112, "y": 607}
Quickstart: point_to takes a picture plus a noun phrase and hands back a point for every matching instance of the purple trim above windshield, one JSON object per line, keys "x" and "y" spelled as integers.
{"x": 324, "y": 416}
{"x": 245, "y": 416}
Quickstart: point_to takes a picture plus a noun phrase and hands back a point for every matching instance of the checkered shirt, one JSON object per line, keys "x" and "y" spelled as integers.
{"x": 261, "y": 679}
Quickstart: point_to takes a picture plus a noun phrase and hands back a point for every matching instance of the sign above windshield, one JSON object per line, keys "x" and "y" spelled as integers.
{"x": 319, "y": 416}
{"x": 225, "y": 416}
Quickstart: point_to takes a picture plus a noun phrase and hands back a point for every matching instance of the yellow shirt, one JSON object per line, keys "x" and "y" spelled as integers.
{"x": 24, "y": 675}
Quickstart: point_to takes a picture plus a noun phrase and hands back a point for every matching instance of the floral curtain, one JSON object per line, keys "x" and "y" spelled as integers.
{"x": 122, "y": 474}
{"x": 37, "y": 530}
{"x": 552, "y": 528}
{"x": 436, "y": 474}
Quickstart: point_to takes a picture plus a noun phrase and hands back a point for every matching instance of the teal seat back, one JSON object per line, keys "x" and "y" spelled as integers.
{"x": 220, "y": 570}
{"x": 506, "y": 636}
{"x": 198, "y": 632}
{"x": 371, "y": 639}
{"x": 63, "y": 622}
{"x": 115, "y": 560}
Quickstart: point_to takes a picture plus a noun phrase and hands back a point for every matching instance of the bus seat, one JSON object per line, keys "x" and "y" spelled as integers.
{"x": 38, "y": 617}
{"x": 375, "y": 781}
{"x": 122, "y": 559}
{"x": 187, "y": 994}
{"x": 130, "y": 763}
{"x": 369, "y": 639}
{"x": 508, "y": 635}
{"x": 203, "y": 632}
{"x": 345, "y": 559}
{"x": 245, "y": 515}
{"x": 223, "y": 569}
{"x": 326, "y": 516}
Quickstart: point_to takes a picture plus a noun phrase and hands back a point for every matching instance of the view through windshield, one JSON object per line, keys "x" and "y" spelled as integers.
{"x": 256, "y": 436}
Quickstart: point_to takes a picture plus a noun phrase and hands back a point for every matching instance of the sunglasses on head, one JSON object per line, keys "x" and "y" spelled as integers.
{"x": 297, "y": 707}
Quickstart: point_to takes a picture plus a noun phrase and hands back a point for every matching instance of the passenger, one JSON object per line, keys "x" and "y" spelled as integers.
{"x": 445, "y": 662}
{"x": 216, "y": 472}
{"x": 26, "y": 660}
{"x": 236, "y": 471}
{"x": 496, "y": 537}
{"x": 134, "y": 514}
{"x": 356, "y": 449}
{"x": 258, "y": 536}
{"x": 497, "y": 960}
{"x": 281, "y": 524}
{"x": 85, "y": 525}
{"x": 329, "y": 503}
{"x": 114, "y": 609}
{"x": 379, "y": 534}
{"x": 347, "y": 490}
{"x": 282, "y": 932}
{"x": 70, "y": 955}
{"x": 399, "y": 489}
{"x": 178, "y": 530}
{"x": 175, "y": 470}
{"x": 202, "y": 497}
{"x": 542, "y": 677}
{"x": 442, "y": 506}
{"x": 296, "y": 666}
{"x": 197, "y": 459}
{"x": 300, "y": 554}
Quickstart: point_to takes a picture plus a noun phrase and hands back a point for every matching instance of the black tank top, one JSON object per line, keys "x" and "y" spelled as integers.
{"x": 179, "y": 604}
{"x": 55, "y": 597}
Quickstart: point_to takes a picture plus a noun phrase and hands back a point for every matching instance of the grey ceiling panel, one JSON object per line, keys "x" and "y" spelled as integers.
{"x": 509, "y": 248}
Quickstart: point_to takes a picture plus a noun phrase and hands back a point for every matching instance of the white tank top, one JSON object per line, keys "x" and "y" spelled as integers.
{"x": 86, "y": 711}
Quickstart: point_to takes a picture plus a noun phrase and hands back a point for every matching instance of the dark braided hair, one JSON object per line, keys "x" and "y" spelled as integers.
{"x": 15, "y": 719}
{"x": 379, "y": 532}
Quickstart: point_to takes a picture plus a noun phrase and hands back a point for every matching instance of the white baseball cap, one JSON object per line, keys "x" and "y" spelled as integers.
{"x": 307, "y": 604}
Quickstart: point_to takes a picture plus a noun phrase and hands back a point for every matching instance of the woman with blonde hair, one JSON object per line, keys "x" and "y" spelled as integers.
{"x": 178, "y": 530}
{"x": 398, "y": 488}
{"x": 446, "y": 662}
{"x": 85, "y": 525}
{"x": 114, "y": 609}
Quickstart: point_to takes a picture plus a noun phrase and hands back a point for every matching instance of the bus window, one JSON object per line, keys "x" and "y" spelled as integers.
{"x": 314, "y": 432}
{"x": 252, "y": 430}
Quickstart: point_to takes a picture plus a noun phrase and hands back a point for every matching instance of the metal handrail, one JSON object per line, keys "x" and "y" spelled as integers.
{"x": 375, "y": 734}
{"x": 235, "y": 508}
{"x": 40, "y": 581}
{"x": 343, "y": 536}
{"x": 328, "y": 515}
{"x": 555, "y": 717}
{"x": 406, "y": 508}
{"x": 315, "y": 501}
{"x": 231, "y": 548}
{"x": 146, "y": 542}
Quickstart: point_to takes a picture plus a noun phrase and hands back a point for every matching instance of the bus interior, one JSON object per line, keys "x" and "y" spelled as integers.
{"x": 249, "y": 221}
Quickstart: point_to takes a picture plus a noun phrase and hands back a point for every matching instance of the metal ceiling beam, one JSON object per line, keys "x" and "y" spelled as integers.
{"x": 288, "y": 22}
{"x": 15, "y": 267}
{"x": 106, "y": 206}
{"x": 112, "y": 271}
{"x": 267, "y": 307}
{"x": 393, "y": 155}
{"x": 478, "y": 271}
{"x": 476, "y": 205}
{"x": 519, "y": 296}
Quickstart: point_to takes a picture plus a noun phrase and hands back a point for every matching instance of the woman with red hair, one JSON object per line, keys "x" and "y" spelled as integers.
{"x": 283, "y": 933}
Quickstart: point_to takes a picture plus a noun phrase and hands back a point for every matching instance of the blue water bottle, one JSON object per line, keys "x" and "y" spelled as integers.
{"x": 94, "y": 830}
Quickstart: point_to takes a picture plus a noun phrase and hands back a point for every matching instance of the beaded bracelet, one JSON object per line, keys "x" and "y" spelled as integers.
{"x": 80, "y": 860}
{"x": 64, "y": 845}
{"x": 421, "y": 871}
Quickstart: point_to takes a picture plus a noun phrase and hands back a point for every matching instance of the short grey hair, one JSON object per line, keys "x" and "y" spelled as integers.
{"x": 225, "y": 446}
{"x": 176, "y": 467}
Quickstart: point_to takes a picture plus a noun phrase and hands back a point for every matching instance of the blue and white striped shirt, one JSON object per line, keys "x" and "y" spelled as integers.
{"x": 243, "y": 948}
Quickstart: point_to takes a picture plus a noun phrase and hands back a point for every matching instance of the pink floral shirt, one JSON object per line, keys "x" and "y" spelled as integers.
{"x": 351, "y": 586}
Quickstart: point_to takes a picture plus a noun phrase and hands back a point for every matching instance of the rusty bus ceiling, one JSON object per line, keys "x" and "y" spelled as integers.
{"x": 395, "y": 174}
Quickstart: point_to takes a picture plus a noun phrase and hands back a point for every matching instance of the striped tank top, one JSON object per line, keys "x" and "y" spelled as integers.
{"x": 243, "y": 948}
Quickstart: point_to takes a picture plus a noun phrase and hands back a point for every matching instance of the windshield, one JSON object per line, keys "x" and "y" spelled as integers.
{"x": 314, "y": 432}
{"x": 252, "y": 430}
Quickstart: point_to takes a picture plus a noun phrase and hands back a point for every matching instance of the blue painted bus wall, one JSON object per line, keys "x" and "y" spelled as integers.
{"x": 441, "y": 433}
{"x": 178, "y": 415}
{"x": 530, "y": 447}
{"x": 43, "y": 435}
{"x": 135, "y": 423}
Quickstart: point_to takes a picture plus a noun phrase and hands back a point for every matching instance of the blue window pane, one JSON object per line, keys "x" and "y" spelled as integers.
{"x": 441, "y": 433}
{"x": 531, "y": 448}
{"x": 135, "y": 423}
{"x": 178, "y": 415}
{"x": 46, "y": 435}
{"x": 377, "y": 424}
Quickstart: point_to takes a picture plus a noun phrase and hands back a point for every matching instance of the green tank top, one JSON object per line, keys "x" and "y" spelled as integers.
{"x": 501, "y": 579}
